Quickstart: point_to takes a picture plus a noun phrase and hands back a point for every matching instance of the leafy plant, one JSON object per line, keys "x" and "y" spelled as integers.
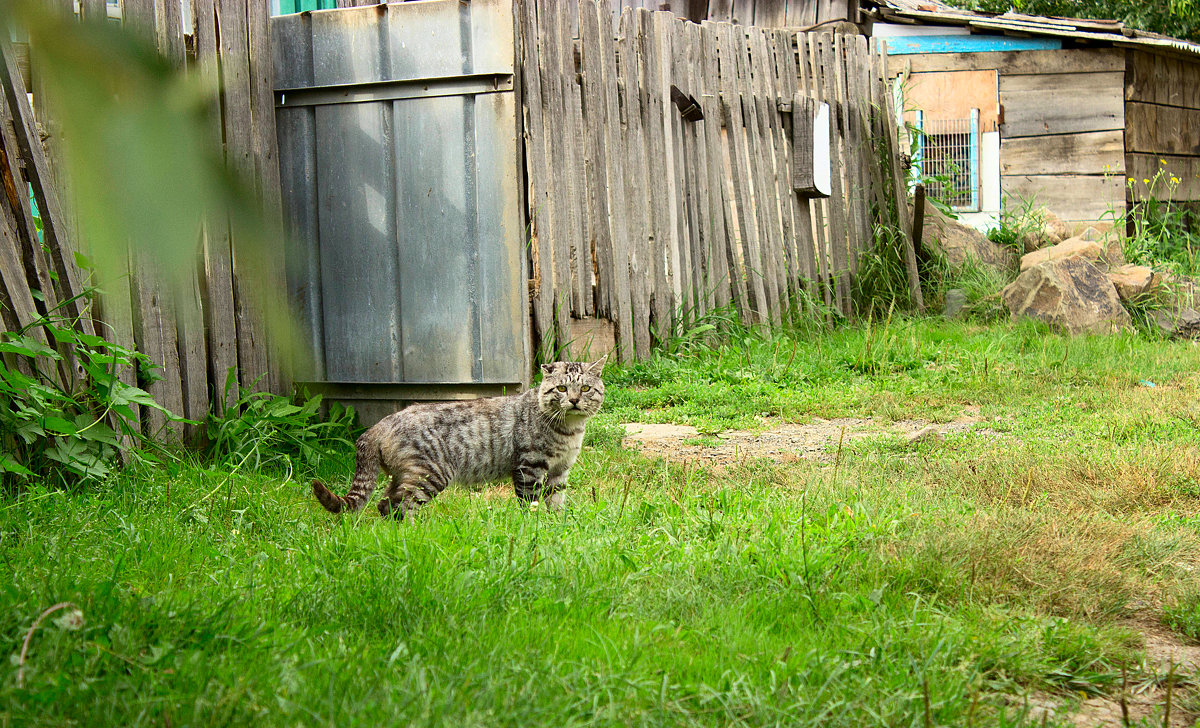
{"x": 1160, "y": 230}
{"x": 1019, "y": 220}
{"x": 881, "y": 285}
{"x": 264, "y": 430}
{"x": 68, "y": 427}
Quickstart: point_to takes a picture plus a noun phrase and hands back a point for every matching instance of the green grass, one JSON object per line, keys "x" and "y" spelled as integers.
{"x": 948, "y": 580}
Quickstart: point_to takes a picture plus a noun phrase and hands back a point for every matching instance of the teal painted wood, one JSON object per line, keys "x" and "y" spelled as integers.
{"x": 283, "y": 7}
{"x": 908, "y": 45}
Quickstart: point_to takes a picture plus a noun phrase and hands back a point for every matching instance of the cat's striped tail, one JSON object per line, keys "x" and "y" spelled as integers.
{"x": 366, "y": 475}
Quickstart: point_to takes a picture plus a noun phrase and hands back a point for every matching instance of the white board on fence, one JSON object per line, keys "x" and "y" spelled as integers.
{"x": 810, "y": 137}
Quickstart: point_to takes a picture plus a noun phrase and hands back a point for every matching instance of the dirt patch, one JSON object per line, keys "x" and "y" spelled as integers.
{"x": 816, "y": 440}
{"x": 1145, "y": 695}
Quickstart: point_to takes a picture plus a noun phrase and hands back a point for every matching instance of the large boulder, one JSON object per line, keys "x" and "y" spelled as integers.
{"x": 960, "y": 243}
{"x": 1072, "y": 294}
{"x": 1072, "y": 248}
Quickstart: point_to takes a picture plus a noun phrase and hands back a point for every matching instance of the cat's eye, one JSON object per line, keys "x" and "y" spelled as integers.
{"x": 584, "y": 388}
{"x": 561, "y": 387}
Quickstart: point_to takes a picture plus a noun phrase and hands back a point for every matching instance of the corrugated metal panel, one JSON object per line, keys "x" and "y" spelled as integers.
{"x": 398, "y": 152}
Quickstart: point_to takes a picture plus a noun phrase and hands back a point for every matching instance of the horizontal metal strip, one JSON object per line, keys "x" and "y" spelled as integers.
{"x": 413, "y": 88}
{"x": 411, "y": 390}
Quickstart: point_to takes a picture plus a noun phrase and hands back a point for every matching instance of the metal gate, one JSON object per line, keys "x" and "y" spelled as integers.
{"x": 398, "y": 153}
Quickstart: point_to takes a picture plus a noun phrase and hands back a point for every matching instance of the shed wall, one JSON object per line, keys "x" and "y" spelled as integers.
{"x": 1162, "y": 111}
{"x": 1062, "y": 116}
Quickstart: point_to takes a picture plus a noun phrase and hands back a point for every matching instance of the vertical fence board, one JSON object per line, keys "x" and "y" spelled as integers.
{"x": 575, "y": 191}
{"x": 751, "y": 258}
{"x": 810, "y": 73}
{"x": 660, "y": 192}
{"x": 725, "y": 288}
{"x": 153, "y": 310}
{"x": 595, "y": 163}
{"x": 789, "y": 87}
{"x": 640, "y": 266}
{"x": 555, "y": 108}
{"x": 594, "y": 20}
{"x": 837, "y": 238}
{"x": 780, "y": 188}
{"x": 700, "y": 225}
{"x": 541, "y": 207}
{"x": 768, "y": 236}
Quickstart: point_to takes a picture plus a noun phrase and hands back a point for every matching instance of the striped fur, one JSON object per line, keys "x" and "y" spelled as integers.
{"x": 532, "y": 438}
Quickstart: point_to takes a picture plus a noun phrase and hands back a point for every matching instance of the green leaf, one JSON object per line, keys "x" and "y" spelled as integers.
{"x": 8, "y": 465}
{"x": 59, "y": 425}
{"x": 27, "y": 347}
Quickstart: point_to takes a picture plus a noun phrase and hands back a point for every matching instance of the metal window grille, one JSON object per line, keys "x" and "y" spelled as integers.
{"x": 948, "y": 156}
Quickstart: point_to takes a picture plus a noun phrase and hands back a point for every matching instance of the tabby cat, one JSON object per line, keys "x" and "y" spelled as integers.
{"x": 532, "y": 437}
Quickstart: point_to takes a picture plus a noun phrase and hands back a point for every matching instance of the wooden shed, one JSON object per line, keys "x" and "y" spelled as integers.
{"x": 1077, "y": 116}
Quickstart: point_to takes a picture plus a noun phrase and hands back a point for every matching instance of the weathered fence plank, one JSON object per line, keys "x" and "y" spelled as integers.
{"x": 640, "y": 266}
{"x": 541, "y": 206}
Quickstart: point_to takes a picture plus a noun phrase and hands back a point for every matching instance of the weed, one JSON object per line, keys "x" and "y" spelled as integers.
{"x": 881, "y": 286}
{"x": 1161, "y": 230}
{"x": 266, "y": 431}
{"x": 1182, "y": 613}
{"x": 61, "y": 426}
{"x": 1018, "y": 224}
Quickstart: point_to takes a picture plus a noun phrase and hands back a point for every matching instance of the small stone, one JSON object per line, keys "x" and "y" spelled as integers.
{"x": 956, "y": 299}
{"x": 929, "y": 433}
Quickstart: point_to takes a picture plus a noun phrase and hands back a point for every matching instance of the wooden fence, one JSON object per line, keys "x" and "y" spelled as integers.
{"x": 197, "y": 336}
{"x": 651, "y": 220}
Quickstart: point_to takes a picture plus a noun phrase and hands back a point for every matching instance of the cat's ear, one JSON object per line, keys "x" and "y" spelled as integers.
{"x": 596, "y": 367}
{"x": 547, "y": 369}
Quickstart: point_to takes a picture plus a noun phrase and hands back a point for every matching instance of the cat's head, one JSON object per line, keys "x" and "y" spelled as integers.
{"x": 571, "y": 388}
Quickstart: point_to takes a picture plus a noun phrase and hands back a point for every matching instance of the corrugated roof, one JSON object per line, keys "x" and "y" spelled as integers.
{"x": 1114, "y": 32}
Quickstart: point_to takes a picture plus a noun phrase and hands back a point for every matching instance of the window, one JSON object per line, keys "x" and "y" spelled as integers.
{"x": 948, "y": 157}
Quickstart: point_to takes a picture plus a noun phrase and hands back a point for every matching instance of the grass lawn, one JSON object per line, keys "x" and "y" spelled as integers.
{"x": 957, "y": 582}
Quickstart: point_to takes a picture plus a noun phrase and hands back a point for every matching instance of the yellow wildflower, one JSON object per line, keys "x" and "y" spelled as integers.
{"x": 1146, "y": 181}
{"x": 1174, "y": 180}
{"x": 1162, "y": 161}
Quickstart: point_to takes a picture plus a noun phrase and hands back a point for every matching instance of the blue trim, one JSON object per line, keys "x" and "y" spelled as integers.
{"x": 908, "y": 44}
{"x": 974, "y": 161}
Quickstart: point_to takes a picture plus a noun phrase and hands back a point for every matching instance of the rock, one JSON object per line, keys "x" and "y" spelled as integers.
{"x": 959, "y": 242}
{"x": 1132, "y": 281}
{"x": 1178, "y": 323}
{"x": 1072, "y": 294}
{"x": 956, "y": 299}
{"x": 1054, "y": 230}
{"x": 1044, "y": 229}
{"x": 1072, "y": 248}
{"x": 929, "y": 433}
{"x": 1110, "y": 240}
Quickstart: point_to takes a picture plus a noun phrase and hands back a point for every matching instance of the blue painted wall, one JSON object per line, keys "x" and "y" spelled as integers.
{"x": 909, "y": 44}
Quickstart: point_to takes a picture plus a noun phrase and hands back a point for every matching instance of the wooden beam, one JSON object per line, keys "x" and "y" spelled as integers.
{"x": 1097, "y": 152}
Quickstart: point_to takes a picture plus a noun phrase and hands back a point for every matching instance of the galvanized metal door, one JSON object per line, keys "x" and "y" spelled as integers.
{"x": 398, "y": 153}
